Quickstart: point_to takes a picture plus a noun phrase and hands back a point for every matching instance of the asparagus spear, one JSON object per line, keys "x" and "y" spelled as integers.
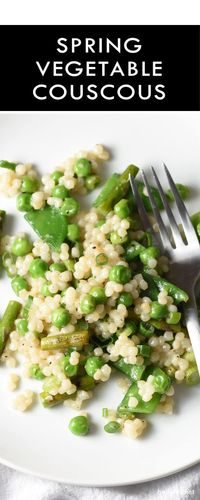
{"x": 65, "y": 340}
{"x": 115, "y": 188}
{"x": 7, "y": 322}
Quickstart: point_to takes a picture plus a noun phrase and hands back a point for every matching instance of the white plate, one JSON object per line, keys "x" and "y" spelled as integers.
{"x": 38, "y": 441}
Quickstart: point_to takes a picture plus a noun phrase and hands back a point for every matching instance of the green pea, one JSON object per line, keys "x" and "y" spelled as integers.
{"x": 23, "y": 202}
{"x": 57, "y": 266}
{"x": 29, "y": 184}
{"x": 70, "y": 207}
{"x": 73, "y": 232}
{"x": 173, "y": 318}
{"x": 21, "y": 246}
{"x": 18, "y": 283}
{"x": 126, "y": 299}
{"x": 112, "y": 427}
{"x": 101, "y": 259}
{"x": 146, "y": 329}
{"x": 83, "y": 167}
{"x": 92, "y": 181}
{"x": 190, "y": 357}
{"x": 79, "y": 425}
{"x": 36, "y": 372}
{"x": 22, "y": 326}
{"x": 158, "y": 311}
{"x": 149, "y": 253}
{"x": 92, "y": 364}
{"x": 88, "y": 304}
{"x": 60, "y": 317}
{"x": 38, "y": 268}
{"x": 56, "y": 176}
{"x": 116, "y": 239}
{"x": 69, "y": 370}
{"x": 121, "y": 209}
{"x": 86, "y": 383}
{"x": 133, "y": 250}
{"x": 98, "y": 293}
{"x": 45, "y": 289}
{"x": 184, "y": 192}
{"x": 120, "y": 274}
{"x": 7, "y": 261}
{"x": 60, "y": 192}
{"x": 192, "y": 376}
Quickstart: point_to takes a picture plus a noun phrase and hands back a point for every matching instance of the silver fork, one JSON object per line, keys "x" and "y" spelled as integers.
{"x": 183, "y": 250}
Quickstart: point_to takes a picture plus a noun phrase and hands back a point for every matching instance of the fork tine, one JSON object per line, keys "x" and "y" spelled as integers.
{"x": 162, "y": 229}
{"x": 141, "y": 208}
{"x": 185, "y": 218}
{"x": 173, "y": 224}
{"x": 140, "y": 204}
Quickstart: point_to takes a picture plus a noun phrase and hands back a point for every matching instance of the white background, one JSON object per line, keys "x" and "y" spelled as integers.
{"x": 99, "y": 12}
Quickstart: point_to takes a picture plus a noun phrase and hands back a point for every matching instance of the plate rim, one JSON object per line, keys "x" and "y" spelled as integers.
{"x": 27, "y": 471}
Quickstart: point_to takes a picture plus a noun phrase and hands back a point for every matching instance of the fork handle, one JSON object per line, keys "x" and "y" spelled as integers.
{"x": 193, "y": 326}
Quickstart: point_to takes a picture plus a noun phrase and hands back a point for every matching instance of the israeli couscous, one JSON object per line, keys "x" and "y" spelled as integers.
{"x": 92, "y": 296}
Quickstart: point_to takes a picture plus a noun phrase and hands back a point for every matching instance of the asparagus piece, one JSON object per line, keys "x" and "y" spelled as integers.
{"x": 163, "y": 326}
{"x": 7, "y": 322}
{"x": 107, "y": 189}
{"x": 115, "y": 189}
{"x": 65, "y": 340}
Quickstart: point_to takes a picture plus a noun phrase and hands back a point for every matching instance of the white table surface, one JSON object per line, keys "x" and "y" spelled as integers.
{"x": 15, "y": 485}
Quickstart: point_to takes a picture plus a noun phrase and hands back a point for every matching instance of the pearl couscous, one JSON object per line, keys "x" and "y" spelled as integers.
{"x": 92, "y": 297}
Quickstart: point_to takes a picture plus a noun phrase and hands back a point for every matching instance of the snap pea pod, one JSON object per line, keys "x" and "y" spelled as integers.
{"x": 142, "y": 406}
{"x": 65, "y": 340}
{"x": 133, "y": 250}
{"x": 173, "y": 290}
{"x": 49, "y": 224}
{"x": 152, "y": 287}
{"x": 134, "y": 372}
{"x": 7, "y": 322}
{"x": 49, "y": 401}
{"x": 8, "y": 164}
{"x": 110, "y": 196}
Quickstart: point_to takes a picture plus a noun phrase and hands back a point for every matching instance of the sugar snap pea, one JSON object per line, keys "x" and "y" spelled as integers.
{"x": 49, "y": 224}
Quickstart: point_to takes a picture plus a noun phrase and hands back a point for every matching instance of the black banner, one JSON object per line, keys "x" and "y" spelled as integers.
{"x": 99, "y": 68}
